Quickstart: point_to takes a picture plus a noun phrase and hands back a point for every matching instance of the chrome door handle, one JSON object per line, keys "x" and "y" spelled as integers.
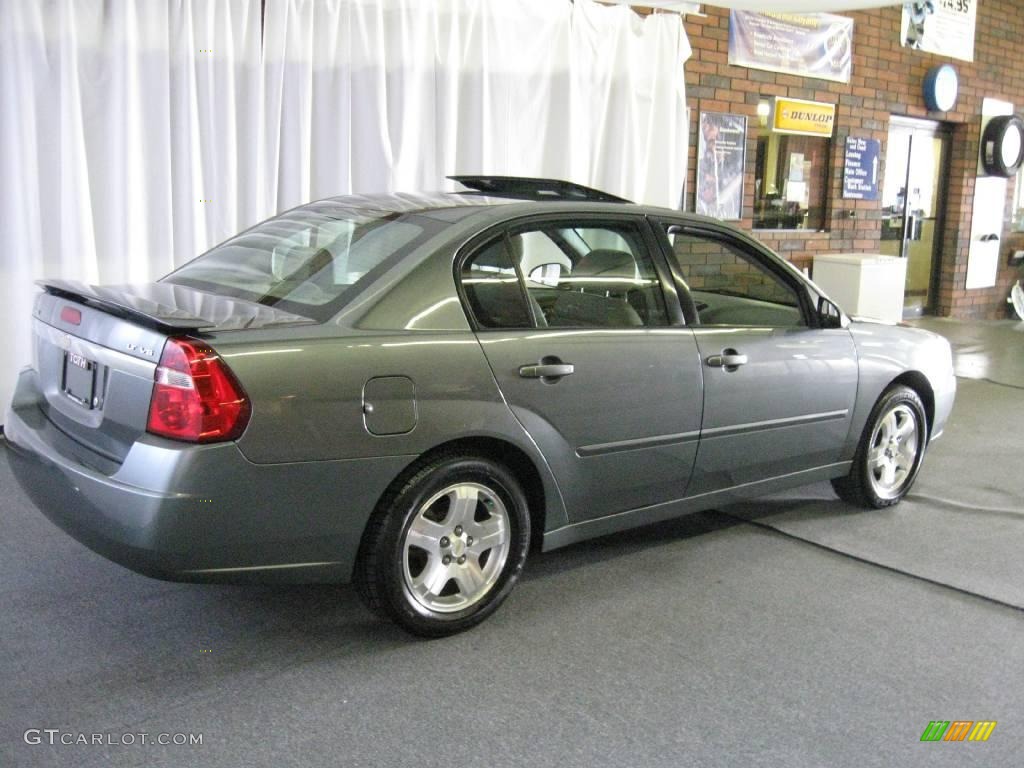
{"x": 730, "y": 359}
{"x": 547, "y": 370}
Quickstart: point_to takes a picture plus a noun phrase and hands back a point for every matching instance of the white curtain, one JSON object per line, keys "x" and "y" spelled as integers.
{"x": 135, "y": 134}
{"x": 374, "y": 96}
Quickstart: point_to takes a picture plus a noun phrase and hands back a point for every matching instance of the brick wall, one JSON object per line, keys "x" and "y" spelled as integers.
{"x": 886, "y": 80}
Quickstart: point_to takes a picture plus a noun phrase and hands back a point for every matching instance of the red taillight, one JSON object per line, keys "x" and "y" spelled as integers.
{"x": 71, "y": 315}
{"x": 195, "y": 396}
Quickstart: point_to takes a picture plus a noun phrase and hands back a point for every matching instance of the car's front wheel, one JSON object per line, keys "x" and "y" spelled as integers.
{"x": 445, "y": 546}
{"x": 890, "y": 451}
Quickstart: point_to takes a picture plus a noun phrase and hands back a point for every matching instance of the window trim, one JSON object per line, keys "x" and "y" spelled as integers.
{"x": 758, "y": 252}
{"x": 472, "y": 248}
{"x": 641, "y": 222}
{"x": 506, "y": 237}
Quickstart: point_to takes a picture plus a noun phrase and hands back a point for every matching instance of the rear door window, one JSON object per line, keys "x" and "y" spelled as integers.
{"x": 561, "y": 275}
{"x": 597, "y": 276}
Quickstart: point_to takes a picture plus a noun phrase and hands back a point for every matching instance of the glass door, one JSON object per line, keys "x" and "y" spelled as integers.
{"x": 913, "y": 201}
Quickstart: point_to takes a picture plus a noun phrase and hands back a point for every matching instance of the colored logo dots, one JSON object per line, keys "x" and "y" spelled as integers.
{"x": 958, "y": 730}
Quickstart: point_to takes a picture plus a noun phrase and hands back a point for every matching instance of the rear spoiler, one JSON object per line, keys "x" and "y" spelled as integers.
{"x": 153, "y": 316}
{"x": 172, "y": 308}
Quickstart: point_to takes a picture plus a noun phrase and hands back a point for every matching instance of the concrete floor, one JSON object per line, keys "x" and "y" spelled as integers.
{"x": 992, "y": 350}
{"x": 792, "y": 632}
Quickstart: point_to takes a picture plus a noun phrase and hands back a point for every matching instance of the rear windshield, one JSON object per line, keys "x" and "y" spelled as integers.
{"x": 310, "y": 260}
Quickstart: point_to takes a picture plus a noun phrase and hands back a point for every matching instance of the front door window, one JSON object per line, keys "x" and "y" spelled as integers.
{"x": 730, "y": 287}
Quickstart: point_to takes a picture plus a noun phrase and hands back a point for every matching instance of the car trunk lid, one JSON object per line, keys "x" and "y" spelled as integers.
{"x": 96, "y": 351}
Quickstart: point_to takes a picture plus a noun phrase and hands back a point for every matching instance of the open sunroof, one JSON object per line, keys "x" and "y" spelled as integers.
{"x": 521, "y": 187}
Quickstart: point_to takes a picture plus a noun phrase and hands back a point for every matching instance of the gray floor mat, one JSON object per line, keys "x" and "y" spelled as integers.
{"x": 917, "y": 537}
{"x": 969, "y": 499}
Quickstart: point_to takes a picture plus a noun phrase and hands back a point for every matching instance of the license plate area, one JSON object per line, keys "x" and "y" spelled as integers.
{"x": 80, "y": 379}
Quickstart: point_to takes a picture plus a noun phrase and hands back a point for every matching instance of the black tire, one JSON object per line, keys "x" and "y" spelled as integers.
{"x": 992, "y": 159}
{"x": 865, "y": 486}
{"x": 385, "y": 567}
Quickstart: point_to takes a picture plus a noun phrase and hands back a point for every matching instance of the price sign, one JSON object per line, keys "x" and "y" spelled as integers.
{"x": 945, "y": 27}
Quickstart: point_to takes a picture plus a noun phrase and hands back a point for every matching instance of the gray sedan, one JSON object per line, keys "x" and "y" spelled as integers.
{"x": 412, "y": 391}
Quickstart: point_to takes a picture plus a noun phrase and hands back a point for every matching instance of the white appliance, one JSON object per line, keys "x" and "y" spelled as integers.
{"x": 866, "y": 285}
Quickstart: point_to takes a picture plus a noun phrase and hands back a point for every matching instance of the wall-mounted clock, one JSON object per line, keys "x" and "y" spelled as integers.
{"x": 941, "y": 86}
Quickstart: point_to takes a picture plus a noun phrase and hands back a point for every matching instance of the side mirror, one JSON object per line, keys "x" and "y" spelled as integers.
{"x": 829, "y": 314}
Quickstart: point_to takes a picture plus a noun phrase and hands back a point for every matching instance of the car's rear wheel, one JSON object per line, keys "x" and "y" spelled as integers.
{"x": 890, "y": 451}
{"x": 445, "y": 546}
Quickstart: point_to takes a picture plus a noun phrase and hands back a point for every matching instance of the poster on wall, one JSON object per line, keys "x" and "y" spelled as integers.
{"x": 807, "y": 44}
{"x": 945, "y": 27}
{"x": 721, "y": 154}
{"x": 860, "y": 168}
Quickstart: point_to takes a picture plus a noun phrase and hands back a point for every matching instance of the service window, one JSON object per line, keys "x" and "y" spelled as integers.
{"x": 590, "y": 276}
{"x": 731, "y": 286}
{"x": 790, "y": 181}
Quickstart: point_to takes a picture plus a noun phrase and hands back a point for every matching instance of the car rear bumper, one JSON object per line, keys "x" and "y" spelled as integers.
{"x": 198, "y": 513}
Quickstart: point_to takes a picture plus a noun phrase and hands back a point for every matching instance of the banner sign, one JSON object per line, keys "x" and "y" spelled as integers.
{"x": 721, "y": 155}
{"x": 945, "y": 27}
{"x": 860, "y": 168}
{"x": 806, "y": 118}
{"x": 808, "y": 44}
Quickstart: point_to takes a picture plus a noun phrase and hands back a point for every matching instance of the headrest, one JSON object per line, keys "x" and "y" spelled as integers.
{"x": 287, "y": 264}
{"x": 605, "y": 262}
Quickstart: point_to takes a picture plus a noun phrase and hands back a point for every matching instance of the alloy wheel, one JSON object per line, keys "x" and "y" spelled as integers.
{"x": 893, "y": 451}
{"x": 455, "y": 546}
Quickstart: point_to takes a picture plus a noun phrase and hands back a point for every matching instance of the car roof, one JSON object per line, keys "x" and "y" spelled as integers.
{"x": 484, "y": 191}
{"x": 406, "y": 202}
{"x": 456, "y": 206}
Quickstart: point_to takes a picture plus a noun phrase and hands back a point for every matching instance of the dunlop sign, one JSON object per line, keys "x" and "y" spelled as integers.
{"x": 807, "y": 118}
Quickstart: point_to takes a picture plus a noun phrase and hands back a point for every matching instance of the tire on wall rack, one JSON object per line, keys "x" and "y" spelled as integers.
{"x": 1002, "y": 146}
